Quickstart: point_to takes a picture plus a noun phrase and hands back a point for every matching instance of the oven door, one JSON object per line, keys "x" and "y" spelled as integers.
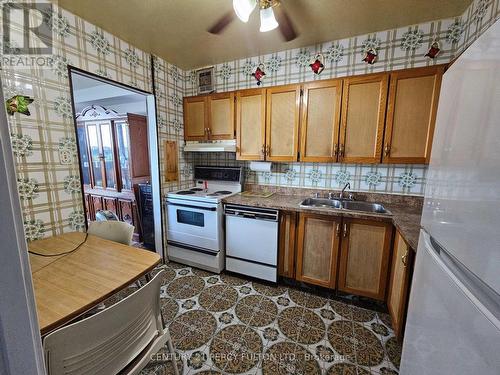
{"x": 195, "y": 224}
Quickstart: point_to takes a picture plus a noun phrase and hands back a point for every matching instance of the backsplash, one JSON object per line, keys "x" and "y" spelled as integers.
{"x": 381, "y": 178}
{"x": 400, "y": 48}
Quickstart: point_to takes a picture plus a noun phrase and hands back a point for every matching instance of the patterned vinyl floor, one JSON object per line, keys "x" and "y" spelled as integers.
{"x": 230, "y": 325}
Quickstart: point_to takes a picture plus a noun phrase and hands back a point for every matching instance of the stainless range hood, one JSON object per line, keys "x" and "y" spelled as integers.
{"x": 215, "y": 146}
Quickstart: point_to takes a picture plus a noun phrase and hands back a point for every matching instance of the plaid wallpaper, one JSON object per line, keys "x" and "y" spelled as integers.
{"x": 397, "y": 49}
{"x": 44, "y": 143}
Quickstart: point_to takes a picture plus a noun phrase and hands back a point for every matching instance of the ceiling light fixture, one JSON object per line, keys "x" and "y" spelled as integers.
{"x": 267, "y": 20}
{"x": 243, "y": 8}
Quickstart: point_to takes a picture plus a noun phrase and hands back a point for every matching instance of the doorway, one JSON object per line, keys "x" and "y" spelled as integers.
{"x": 118, "y": 154}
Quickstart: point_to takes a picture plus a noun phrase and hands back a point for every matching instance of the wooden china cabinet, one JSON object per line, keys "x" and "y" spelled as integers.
{"x": 114, "y": 159}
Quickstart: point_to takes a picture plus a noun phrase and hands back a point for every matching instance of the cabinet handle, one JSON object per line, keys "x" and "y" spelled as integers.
{"x": 268, "y": 150}
{"x": 335, "y": 149}
{"x": 345, "y": 230}
{"x": 404, "y": 259}
{"x": 263, "y": 149}
{"x": 209, "y": 132}
{"x": 337, "y": 230}
{"x": 387, "y": 150}
{"x": 341, "y": 150}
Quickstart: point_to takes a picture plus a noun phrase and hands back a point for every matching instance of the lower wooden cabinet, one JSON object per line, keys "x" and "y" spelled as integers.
{"x": 399, "y": 283}
{"x": 317, "y": 249}
{"x": 286, "y": 250}
{"x": 364, "y": 258}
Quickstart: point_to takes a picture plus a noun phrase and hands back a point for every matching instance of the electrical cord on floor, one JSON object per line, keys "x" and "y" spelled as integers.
{"x": 64, "y": 252}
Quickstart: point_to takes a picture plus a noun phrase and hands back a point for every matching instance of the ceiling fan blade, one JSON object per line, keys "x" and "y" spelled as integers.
{"x": 222, "y": 23}
{"x": 285, "y": 23}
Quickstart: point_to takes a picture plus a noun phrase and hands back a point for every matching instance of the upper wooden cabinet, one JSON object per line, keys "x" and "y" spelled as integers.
{"x": 399, "y": 284}
{"x": 317, "y": 249}
{"x": 411, "y": 114}
{"x": 209, "y": 117}
{"x": 364, "y": 257}
{"x": 221, "y": 116}
{"x": 282, "y": 123}
{"x": 363, "y": 115}
{"x": 251, "y": 124}
{"x": 195, "y": 118}
{"x": 320, "y": 121}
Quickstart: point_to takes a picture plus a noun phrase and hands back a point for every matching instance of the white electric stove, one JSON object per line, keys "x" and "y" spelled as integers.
{"x": 195, "y": 225}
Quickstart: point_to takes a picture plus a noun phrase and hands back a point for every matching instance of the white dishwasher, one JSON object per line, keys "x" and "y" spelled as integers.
{"x": 252, "y": 241}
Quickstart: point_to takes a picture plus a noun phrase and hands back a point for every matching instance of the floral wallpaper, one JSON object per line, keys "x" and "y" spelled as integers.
{"x": 44, "y": 143}
{"x": 397, "y": 49}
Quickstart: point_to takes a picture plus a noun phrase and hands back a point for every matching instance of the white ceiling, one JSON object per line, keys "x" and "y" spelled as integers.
{"x": 176, "y": 29}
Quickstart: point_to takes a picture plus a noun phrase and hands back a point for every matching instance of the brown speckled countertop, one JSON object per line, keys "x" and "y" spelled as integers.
{"x": 405, "y": 213}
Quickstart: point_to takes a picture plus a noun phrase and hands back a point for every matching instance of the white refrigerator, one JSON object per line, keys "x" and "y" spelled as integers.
{"x": 453, "y": 324}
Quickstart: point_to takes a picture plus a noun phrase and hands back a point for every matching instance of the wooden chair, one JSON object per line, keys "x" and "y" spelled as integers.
{"x": 117, "y": 231}
{"x": 121, "y": 338}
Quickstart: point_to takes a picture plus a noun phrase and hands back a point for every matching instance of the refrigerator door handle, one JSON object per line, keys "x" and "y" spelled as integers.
{"x": 474, "y": 288}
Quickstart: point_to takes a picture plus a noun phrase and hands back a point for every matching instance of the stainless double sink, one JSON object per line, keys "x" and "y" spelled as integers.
{"x": 348, "y": 205}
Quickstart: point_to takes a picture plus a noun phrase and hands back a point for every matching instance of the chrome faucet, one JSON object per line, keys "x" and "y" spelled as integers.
{"x": 348, "y": 185}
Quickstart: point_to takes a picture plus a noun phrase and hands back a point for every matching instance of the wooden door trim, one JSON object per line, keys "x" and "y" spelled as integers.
{"x": 291, "y": 244}
{"x": 338, "y": 84}
{"x": 344, "y": 253}
{"x": 195, "y": 99}
{"x": 303, "y": 216}
{"x": 283, "y": 89}
{"x": 220, "y": 95}
{"x": 398, "y": 319}
{"x": 242, "y": 94}
{"x": 438, "y": 71}
{"x": 383, "y": 79}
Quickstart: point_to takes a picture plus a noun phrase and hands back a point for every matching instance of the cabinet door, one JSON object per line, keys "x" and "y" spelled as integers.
{"x": 364, "y": 257}
{"x": 320, "y": 121}
{"x": 110, "y": 204}
{"x": 139, "y": 148}
{"x": 221, "y": 116}
{"x": 364, "y": 102}
{"x": 399, "y": 284}
{"x": 286, "y": 252}
{"x": 96, "y": 202}
{"x": 250, "y": 124}
{"x": 126, "y": 211}
{"x": 411, "y": 114}
{"x": 317, "y": 249}
{"x": 195, "y": 118}
{"x": 282, "y": 123}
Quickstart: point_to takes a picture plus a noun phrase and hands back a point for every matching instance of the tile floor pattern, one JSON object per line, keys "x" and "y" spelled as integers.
{"x": 230, "y": 325}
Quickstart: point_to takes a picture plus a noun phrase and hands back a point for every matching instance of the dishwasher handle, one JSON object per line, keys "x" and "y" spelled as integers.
{"x": 269, "y": 215}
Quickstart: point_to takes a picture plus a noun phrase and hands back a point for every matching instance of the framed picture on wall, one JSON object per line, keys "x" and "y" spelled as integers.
{"x": 206, "y": 80}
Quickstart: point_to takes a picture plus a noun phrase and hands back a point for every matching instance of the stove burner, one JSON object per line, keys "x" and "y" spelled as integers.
{"x": 222, "y": 192}
{"x": 185, "y": 192}
{"x": 196, "y": 189}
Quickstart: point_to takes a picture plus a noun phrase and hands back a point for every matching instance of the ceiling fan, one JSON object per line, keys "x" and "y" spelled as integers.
{"x": 268, "y": 21}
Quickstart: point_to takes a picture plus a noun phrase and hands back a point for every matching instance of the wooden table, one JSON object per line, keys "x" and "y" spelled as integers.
{"x": 68, "y": 285}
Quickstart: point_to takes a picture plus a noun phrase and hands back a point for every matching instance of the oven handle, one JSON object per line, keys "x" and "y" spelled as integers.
{"x": 190, "y": 206}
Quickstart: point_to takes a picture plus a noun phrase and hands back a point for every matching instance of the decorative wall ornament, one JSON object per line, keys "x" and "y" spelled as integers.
{"x": 174, "y": 73}
{"x": 18, "y": 104}
{"x": 248, "y": 68}
{"x": 158, "y": 64}
{"x": 273, "y": 64}
{"x": 63, "y": 108}
{"x": 315, "y": 176}
{"x": 370, "y": 56}
{"x": 342, "y": 177}
{"x": 317, "y": 65}
{"x": 370, "y": 44}
{"x": 259, "y": 74}
{"x": 373, "y": 178}
{"x": 77, "y": 220}
{"x": 22, "y": 145}
{"x": 407, "y": 180}
{"x": 131, "y": 58}
{"x": 33, "y": 229}
{"x": 267, "y": 176}
{"x": 187, "y": 171}
{"x": 99, "y": 42}
{"x": 335, "y": 53}
{"x": 176, "y": 100}
{"x": 102, "y": 73}
{"x": 481, "y": 9}
{"x": 205, "y": 79}
{"x": 454, "y": 32}
{"x": 290, "y": 174}
{"x": 433, "y": 50}
{"x": 27, "y": 188}
{"x": 225, "y": 72}
{"x": 67, "y": 150}
{"x": 72, "y": 185}
{"x": 412, "y": 40}
{"x": 177, "y": 125}
{"x": 60, "y": 65}
{"x": 303, "y": 58}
